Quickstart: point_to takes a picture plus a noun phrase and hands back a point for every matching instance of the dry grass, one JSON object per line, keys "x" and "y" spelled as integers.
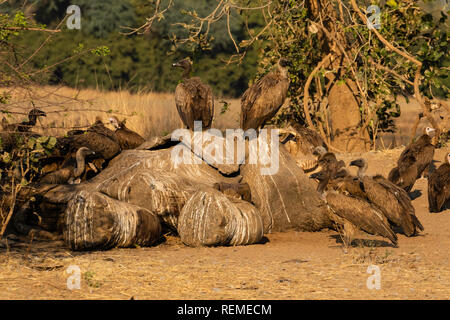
{"x": 149, "y": 114}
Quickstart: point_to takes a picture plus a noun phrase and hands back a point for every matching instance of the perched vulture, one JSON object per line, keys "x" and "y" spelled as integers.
{"x": 392, "y": 200}
{"x": 193, "y": 98}
{"x": 352, "y": 213}
{"x": 439, "y": 187}
{"x": 413, "y": 161}
{"x": 127, "y": 138}
{"x": 263, "y": 99}
{"x": 71, "y": 171}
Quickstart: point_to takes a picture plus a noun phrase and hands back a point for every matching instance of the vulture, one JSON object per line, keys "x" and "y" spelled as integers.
{"x": 24, "y": 126}
{"x": 193, "y": 98}
{"x": 439, "y": 187}
{"x": 352, "y": 213}
{"x": 8, "y": 135}
{"x": 392, "y": 200}
{"x": 237, "y": 190}
{"x": 71, "y": 171}
{"x": 97, "y": 138}
{"x": 127, "y": 138}
{"x": 413, "y": 161}
{"x": 262, "y": 100}
{"x": 328, "y": 162}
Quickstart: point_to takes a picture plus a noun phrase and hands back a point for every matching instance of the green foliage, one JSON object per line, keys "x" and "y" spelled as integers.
{"x": 133, "y": 62}
{"x": 407, "y": 26}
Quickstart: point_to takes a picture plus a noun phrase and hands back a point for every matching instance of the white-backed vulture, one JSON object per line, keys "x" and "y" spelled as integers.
{"x": 392, "y": 200}
{"x": 439, "y": 187}
{"x": 193, "y": 98}
{"x": 353, "y": 213}
{"x": 413, "y": 161}
{"x": 71, "y": 170}
{"x": 127, "y": 138}
{"x": 262, "y": 100}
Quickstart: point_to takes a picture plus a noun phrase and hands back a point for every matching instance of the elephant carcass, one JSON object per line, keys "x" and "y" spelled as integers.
{"x": 287, "y": 199}
{"x": 210, "y": 218}
{"x": 181, "y": 195}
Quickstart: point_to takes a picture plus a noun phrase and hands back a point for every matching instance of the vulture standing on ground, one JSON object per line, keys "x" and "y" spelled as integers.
{"x": 262, "y": 100}
{"x": 71, "y": 171}
{"x": 392, "y": 200}
{"x": 353, "y": 213}
{"x": 127, "y": 138}
{"x": 193, "y": 98}
{"x": 439, "y": 187}
{"x": 413, "y": 161}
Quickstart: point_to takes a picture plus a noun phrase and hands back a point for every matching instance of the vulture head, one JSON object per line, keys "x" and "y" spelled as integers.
{"x": 447, "y": 158}
{"x": 429, "y": 131}
{"x": 115, "y": 122}
{"x": 323, "y": 178}
{"x": 34, "y": 114}
{"x": 84, "y": 152}
{"x": 319, "y": 151}
{"x": 361, "y": 164}
{"x": 283, "y": 62}
{"x": 185, "y": 64}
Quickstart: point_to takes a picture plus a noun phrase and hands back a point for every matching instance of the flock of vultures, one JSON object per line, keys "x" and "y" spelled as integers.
{"x": 96, "y": 178}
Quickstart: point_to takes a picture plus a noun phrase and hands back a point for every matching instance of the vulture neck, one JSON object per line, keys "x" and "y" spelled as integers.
{"x": 283, "y": 71}
{"x": 362, "y": 171}
{"x": 187, "y": 72}
{"x": 32, "y": 119}
{"x": 321, "y": 187}
{"x": 81, "y": 164}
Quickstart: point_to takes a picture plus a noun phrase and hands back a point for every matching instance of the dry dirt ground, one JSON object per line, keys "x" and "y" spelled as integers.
{"x": 293, "y": 265}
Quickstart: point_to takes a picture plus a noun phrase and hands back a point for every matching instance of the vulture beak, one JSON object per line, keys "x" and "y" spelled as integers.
{"x": 314, "y": 175}
{"x": 431, "y": 132}
{"x": 355, "y": 163}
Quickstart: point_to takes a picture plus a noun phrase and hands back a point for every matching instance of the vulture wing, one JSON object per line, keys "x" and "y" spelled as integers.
{"x": 194, "y": 101}
{"x": 361, "y": 214}
{"x": 439, "y": 188}
{"x": 262, "y": 100}
{"x": 389, "y": 200}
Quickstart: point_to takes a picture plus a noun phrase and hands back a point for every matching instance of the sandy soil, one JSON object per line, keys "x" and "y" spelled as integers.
{"x": 292, "y": 265}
